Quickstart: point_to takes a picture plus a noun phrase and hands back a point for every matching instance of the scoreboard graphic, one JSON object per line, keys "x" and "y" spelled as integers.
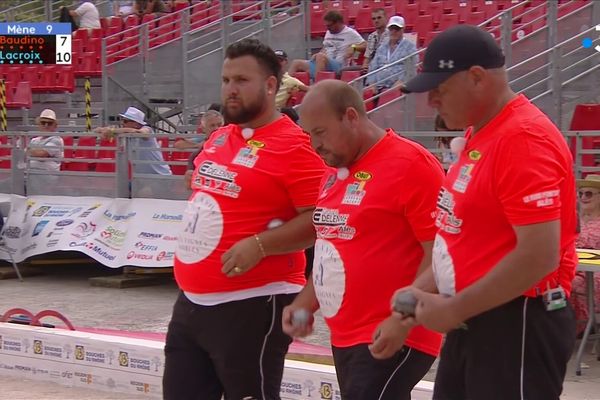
{"x": 35, "y": 43}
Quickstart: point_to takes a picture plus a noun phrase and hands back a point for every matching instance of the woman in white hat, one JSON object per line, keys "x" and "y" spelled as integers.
{"x": 588, "y": 191}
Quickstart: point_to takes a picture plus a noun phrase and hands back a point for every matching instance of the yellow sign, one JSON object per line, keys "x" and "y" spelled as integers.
{"x": 588, "y": 256}
{"x": 255, "y": 143}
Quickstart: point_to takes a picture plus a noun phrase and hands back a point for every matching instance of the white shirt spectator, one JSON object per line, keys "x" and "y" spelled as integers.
{"x": 54, "y": 145}
{"x": 336, "y": 44}
{"x": 88, "y": 16}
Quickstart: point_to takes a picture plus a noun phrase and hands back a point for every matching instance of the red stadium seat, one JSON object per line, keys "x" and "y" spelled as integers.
{"x": 368, "y": 95}
{"x": 447, "y": 20}
{"x": 304, "y": 77}
{"x": 389, "y": 95}
{"x": 586, "y": 117}
{"x": 317, "y": 25}
{"x": 322, "y": 75}
{"x": 348, "y": 76}
{"x": 363, "y": 23}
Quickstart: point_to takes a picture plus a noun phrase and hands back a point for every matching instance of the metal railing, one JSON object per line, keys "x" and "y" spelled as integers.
{"x": 21, "y": 179}
{"x": 177, "y": 68}
{"x": 45, "y": 10}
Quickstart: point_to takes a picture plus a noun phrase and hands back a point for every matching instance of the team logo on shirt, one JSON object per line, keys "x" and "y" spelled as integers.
{"x": 216, "y": 178}
{"x": 220, "y": 140}
{"x": 330, "y": 224}
{"x": 248, "y": 156}
{"x": 464, "y": 177}
{"x": 355, "y": 191}
{"x": 445, "y": 218}
{"x": 328, "y": 185}
{"x": 475, "y": 155}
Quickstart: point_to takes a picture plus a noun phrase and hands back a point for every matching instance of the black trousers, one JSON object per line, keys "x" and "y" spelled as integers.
{"x": 234, "y": 349}
{"x": 515, "y": 351}
{"x": 362, "y": 377}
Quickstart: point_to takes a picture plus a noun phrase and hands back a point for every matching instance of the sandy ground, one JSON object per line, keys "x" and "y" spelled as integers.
{"x": 66, "y": 289}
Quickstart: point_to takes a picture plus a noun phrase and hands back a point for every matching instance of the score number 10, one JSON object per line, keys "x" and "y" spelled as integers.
{"x": 63, "y": 49}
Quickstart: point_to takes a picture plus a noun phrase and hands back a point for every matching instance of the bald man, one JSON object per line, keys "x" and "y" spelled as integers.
{"x": 504, "y": 256}
{"x": 374, "y": 229}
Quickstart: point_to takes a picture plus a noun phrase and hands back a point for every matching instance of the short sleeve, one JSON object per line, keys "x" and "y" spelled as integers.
{"x": 303, "y": 177}
{"x": 82, "y": 9}
{"x": 356, "y": 37}
{"x": 54, "y": 147}
{"x": 419, "y": 190}
{"x": 528, "y": 177}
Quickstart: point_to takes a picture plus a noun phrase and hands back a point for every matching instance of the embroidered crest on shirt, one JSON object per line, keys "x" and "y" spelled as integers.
{"x": 220, "y": 140}
{"x": 355, "y": 191}
{"x": 464, "y": 177}
{"x": 216, "y": 178}
{"x": 248, "y": 156}
{"x": 328, "y": 184}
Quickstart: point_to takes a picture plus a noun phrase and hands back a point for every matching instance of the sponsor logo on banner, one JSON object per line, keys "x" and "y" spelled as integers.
{"x": 12, "y": 345}
{"x": 291, "y": 388}
{"x": 97, "y": 249}
{"x": 96, "y": 357}
{"x": 83, "y": 377}
{"x": 112, "y": 238}
{"x": 40, "y": 211}
{"x": 52, "y": 243}
{"x": 326, "y": 390}
{"x": 46, "y": 349}
{"x": 140, "y": 386}
{"x": 58, "y": 211}
{"x": 123, "y": 359}
{"x": 64, "y": 222}
{"x": 54, "y": 233}
{"x": 138, "y": 256}
{"x": 39, "y": 227}
{"x": 77, "y": 244}
{"x": 37, "y": 347}
{"x": 168, "y": 217}
{"x": 119, "y": 217}
{"x": 28, "y": 248}
{"x": 74, "y": 211}
{"x": 84, "y": 229}
{"x": 165, "y": 255}
{"x": 170, "y": 238}
{"x": 150, "y": 235}
{"x": 89, "y": 211}
{"x": 12, "y": 232}
{"x": 141, "y": 246}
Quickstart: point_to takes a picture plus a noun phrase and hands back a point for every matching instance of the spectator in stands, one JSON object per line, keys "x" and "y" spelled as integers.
{"x": 46, "y": 146}
{"x": 123, "y": 8}
{"x": 87, "y": 14}
{"x": 375, "y": 39}
{"x": 239, "y": 260}
{"x": 143, "y": 7}
{"x": 394, "y": 49}
{"x": 209, "y": 122}
{"x": 589, "y": 238}
{"x": 140, "y": 148}
{"x": 339, "y": 45}
{"x": 289, "y": 84}
{"x": 443, "y": 142}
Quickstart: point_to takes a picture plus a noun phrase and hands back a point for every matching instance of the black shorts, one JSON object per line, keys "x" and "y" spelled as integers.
{"x": 362, "y": 377}
{"x": 515, "y": 351}
{"x": 236, "y": 349}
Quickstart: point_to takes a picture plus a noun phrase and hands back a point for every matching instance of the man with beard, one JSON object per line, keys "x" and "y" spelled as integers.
{"x": 239, "y": 260}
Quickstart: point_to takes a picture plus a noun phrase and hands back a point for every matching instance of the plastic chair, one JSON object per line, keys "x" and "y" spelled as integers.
{"x": 586, "y": 117}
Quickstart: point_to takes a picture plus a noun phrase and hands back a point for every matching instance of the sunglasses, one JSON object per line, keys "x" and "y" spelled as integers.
{"x": 46, "y": 123}
{"x": 587, "y": 194}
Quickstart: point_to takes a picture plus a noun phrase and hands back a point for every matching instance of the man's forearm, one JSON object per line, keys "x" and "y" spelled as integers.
{"x": 296, "y": 234}
{"x": 307, "y": 297}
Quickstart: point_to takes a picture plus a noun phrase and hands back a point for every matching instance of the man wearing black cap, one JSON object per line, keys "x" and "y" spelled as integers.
{"x": 504, "y": 255}
{"x": 289, "y": 84}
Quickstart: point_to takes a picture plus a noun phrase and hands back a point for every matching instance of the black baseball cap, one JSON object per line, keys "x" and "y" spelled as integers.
{"x": 456, "y": 49}
{"x": 281, "y": 54}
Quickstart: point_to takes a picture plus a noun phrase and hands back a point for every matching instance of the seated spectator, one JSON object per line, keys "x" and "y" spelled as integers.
{"x": 143, "y": 7}
{"x": 209, "y": 122}
{"x": 375, "y": 39}
{"x": 443, "y": 143}
{"x": 49, "y": 147}
{"x": 123, "y": 8}
{"x": 589, "y": 238}
{"x": 339, "y": 45}
{"x": 87, "y": 14}
{"x": 289, "y": 85}
{"x": 291, "y": 113}
{"x": 394, "y": 49}
{"x": 140, "y": 148}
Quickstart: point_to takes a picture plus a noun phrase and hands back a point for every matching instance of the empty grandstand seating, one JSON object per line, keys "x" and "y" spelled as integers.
{"x": 586, "y": 117}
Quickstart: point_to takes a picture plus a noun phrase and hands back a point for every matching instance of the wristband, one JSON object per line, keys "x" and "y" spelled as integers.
{"x": 260, "y": 246}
